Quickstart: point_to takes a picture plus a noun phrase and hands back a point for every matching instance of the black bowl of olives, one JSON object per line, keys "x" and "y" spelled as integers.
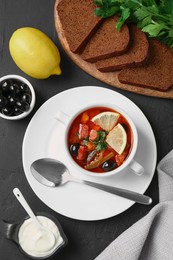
{"x": 17, "y": 97}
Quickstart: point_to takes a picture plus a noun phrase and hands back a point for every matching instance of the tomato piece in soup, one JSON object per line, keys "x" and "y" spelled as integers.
{"x": 82, "y": 153}
{"x": 84, "y": 118}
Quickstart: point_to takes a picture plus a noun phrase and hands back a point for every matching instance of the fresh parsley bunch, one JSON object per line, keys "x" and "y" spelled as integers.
{"x": 153, "y": 17}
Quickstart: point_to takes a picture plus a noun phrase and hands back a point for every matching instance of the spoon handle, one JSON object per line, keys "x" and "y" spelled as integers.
{"x": 25, "y": 205}
{"x": 131, "y": 195}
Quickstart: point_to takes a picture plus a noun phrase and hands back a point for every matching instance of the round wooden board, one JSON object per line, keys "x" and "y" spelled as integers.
{"x": 110, "y": 78}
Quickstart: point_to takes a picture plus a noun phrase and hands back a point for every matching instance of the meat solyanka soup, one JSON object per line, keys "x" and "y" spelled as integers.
{"x": 100, "y": 139}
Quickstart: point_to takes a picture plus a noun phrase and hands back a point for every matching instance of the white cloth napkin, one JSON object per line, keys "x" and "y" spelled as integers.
{"x": 151, "y": 238}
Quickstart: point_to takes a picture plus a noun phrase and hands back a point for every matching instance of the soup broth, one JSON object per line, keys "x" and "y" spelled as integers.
{"x": 100, "y": 139}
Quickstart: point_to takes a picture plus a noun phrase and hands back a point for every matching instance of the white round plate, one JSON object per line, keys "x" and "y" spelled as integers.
{"x": 43, "y": 138}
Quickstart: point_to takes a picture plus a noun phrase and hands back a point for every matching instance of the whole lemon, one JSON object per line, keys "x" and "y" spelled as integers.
{"x": 34, "y": 53}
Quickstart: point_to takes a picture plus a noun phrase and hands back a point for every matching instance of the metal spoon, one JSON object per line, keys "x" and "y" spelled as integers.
{"x": 51, "y": 172}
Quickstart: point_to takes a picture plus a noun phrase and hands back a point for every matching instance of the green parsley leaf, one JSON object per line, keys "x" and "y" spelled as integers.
{"x": 133, "y": 4}
{"x": 154, "y": 29}
{"x": 98, "y": 2}
{"x": 171, "y": 33}
{"x": 84, "y": 142}
{"x": 147, "y": 20}
{"x": 124, "y": 16}
{"x": 153, "y": 17}
{"x": 166, "y": 6}
{"x": 149, "y": 2}
{"x": 101, "y": 146}
{"x": 104, "y": 13}
{"x": 101, "y": 135}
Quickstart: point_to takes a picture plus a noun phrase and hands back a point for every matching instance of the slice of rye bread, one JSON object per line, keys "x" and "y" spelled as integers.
{"x": 136, "y": 55}
{"x": 107, "y": 41}
{"x": 157, "y": 73}
{"x": 78, "y": 22}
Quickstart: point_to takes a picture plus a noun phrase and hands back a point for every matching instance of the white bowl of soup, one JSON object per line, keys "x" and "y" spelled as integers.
{"x": 101, "y": 140}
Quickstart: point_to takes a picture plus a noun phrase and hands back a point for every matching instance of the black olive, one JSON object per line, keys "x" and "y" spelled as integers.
{"x": 74, "y": 149}
{"x": 24, "y": 88}
{"x": 7, "y": 111}
{"x": 16, "y": 111}
{"x": 23, "y": 106}
{"x": 16, "y": 88}
{"x": 26, "y": 98}
{"x": 12, "y": 100}
{"x": 6, "y": 85}
{"x": 3, "y": 101}
{"x": 109, "y": 165}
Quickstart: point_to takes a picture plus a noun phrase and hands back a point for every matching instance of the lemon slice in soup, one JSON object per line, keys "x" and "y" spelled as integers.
{"x": 106, "y": 120}
{"x": 117, "y": 138}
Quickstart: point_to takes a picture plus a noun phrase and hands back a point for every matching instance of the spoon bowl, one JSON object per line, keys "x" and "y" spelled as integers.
{"x": 50, "y": 172}
{"x": 53, "y": 173}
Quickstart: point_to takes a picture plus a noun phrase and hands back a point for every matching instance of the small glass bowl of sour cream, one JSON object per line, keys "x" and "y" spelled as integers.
{"x": 34, "y": 242}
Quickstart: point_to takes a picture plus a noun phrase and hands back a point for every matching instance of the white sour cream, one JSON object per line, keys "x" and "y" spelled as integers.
{"x": 39, "y": 242}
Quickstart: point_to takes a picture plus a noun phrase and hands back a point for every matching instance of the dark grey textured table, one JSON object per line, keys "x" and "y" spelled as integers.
{"x": 86, "y": 239}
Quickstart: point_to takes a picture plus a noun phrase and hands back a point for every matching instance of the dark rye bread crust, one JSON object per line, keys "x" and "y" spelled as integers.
{"x": 107, "y": 42}
{"x": 78, "y": 22}
{"x": 157, "y": 73}
{"x": 136, "y": 55}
